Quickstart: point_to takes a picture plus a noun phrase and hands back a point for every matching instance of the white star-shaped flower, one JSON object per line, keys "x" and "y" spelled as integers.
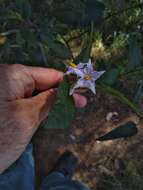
{"x": 86, "y": 76}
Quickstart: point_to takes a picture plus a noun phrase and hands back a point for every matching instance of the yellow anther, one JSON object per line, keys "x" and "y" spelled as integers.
{"x": 87, "y": 77}
{"x": 72, "y": 65}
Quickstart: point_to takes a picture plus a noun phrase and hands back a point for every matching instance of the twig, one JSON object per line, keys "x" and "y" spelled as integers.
{"x": 9, "y": 32}
{"x": 68, "y": 46}
{"x": 76, "y": 37}
{"x": 43, "y": 54}
{"x": 133, "y": 72}
{"x": 123, "y": 10}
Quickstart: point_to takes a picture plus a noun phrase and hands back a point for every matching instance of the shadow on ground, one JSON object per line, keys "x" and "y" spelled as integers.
{"x": 99, "y": 160}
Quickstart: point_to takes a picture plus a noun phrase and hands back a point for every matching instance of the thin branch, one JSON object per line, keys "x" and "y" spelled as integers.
{"x": 123, "y": 10}
{"x": 9, "y": 32}
{"x": 68, "y": 46}
{"x": 43, "y": 54}
{"x": 133, "y": 72}
{"x": 76, "y": 37}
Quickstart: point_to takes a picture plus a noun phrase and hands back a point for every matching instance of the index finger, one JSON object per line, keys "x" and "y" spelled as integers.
{"x": 45, "y": 78}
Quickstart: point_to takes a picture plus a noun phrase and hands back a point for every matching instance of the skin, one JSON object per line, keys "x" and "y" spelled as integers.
{"x": 20, "y": 112}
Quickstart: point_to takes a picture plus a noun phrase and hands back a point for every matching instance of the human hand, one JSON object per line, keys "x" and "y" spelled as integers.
{"x": 20, "y": 113}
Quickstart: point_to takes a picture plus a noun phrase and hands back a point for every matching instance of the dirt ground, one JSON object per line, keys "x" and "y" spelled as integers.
{"x": 97, "y": 159}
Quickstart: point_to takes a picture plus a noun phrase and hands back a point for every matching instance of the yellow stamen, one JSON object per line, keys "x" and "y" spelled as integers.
{"x": 87, "y": 77}
{"x": 72, "y": 65}
{"x": 2, "y": 40}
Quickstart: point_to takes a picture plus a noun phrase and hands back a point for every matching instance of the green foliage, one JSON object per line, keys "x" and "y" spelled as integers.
{"x": 84, "y": 55}
{"x": 63, "y": 111}
{"x": 60, "y": 50}
{"x": 111, "y": 76}
{"x": 122, "y": 97}
{"x": 81, "y": 13}
{"x": 52, "y": 32}
{"x": 10, "y": 15}
{"x": 119, "y": 41}
{"x": 24, "y": 8}
{"x": 134, "y": 54}
{"x": 139, "y": 92}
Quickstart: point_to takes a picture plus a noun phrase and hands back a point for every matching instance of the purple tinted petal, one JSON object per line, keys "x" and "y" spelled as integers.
{"x": 75, "y": 71}
{"x": 90, "y": 66}
{"x": 81, "y": 65}
{"x": 90, "y": 61}
{"x": 78, "y": 84}
{"x": 79, "y": 73}
{"x": 84, "y": 83}
{"x": 69, "y": 71}
{"x": 96, "y": 75}
{"x": 91, "y": 85}
{"x": 81, "y": 83}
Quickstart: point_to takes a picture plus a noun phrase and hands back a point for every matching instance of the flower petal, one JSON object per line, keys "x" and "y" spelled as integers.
{"x": 96, "y": 75}
{"x": 92, "y": 87}
{"x": 81, "y": 65}
{"x": 82, "y": 70}
{"x": 75, "y": 71}
{"x": 75, "y": 86}
{"x": 90, "y": 67}
{"x": 81, "y": 83}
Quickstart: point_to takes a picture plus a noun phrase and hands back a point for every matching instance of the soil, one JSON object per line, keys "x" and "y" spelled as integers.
{"x": 96, "y": 158}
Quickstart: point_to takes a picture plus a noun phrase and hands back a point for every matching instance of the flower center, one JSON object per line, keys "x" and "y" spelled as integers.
{"x": 73, "y": 65}
{"x": 87, "y": 77}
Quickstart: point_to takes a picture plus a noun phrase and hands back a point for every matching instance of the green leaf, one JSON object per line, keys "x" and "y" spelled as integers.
{"x": 19, "y": 39}
{"x": 81, "y": 13}
{"x": 84, "y": 55}
{"x": 111, "y": 76}
{"x": 69, "y": 12}
{"x": 134, "y": 54}
{"x": 10, "y": 15}
{"x": 24, "y": 7}
{"x": 139, "y": 92}
{"x": 123, "y": 131}
{"x": 30, "y": 38}
{"x": 60, "y": 50}
{"x": 63, "y": 111}
{"x": 94, "y": 10}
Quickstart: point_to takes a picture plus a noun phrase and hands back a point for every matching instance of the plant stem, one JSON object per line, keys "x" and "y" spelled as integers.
{"x": 77, "y": 36}
{"x": 121, "y": 97}
{"x": 43, "y": 54}
{"x": 9, "y": 32}
{"x": 68, "y": 46}
{"x": 133, "y": 72}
